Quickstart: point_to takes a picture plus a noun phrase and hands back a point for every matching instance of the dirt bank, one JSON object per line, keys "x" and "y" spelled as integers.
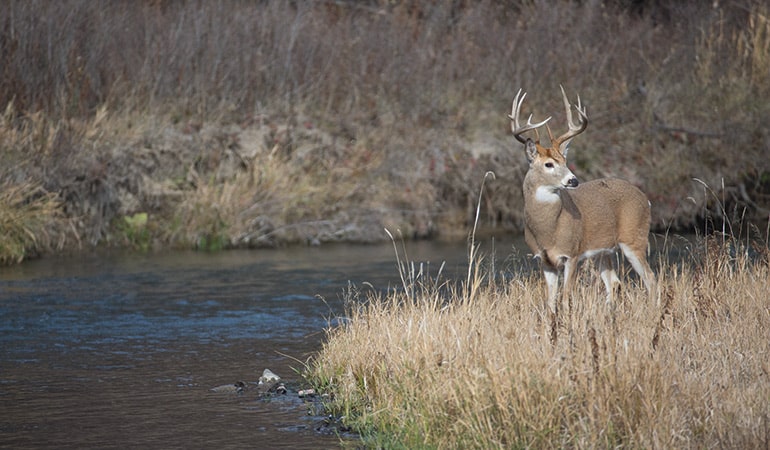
{"x": 277, "y": 123}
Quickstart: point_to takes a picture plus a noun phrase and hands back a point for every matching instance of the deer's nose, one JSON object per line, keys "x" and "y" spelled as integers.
{"x": 573, "y": 182}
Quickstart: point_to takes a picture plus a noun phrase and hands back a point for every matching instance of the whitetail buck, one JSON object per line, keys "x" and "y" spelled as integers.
{"x": 568, "y": 221}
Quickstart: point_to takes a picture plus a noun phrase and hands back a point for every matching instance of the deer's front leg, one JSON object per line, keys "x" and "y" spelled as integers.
{"x": 570, "y": 274}
{"x": 551, "y": 275}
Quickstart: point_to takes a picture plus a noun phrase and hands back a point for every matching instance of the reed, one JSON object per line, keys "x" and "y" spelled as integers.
{"x": 26, "y": 210}
{"x": 430, "y": 367}
{"x": 368, "y": 114}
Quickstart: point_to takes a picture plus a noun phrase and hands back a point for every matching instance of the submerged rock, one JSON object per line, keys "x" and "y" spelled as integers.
{"x": 333, "y": 425}
{"x": 235, "y": 388}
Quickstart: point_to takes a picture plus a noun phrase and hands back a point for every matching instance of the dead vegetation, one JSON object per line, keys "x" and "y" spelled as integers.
{"x": 271, "y": 123}
{"x": 420, "y": 368}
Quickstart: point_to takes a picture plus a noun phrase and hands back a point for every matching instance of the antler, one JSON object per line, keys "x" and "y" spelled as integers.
{"x": 515, "y": 127}
{"x": 574, "y": 129}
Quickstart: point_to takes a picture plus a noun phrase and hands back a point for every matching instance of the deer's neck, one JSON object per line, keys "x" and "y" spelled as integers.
{"x": 550, "y": 212}
{"x": 542, "y": 205}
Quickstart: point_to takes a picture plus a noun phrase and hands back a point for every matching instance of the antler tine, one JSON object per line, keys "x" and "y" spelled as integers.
{"x": 574, "y": 129}
{"x": 516, "y": 129}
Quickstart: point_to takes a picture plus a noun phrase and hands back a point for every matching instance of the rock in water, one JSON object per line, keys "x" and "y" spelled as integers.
{"x": 306, "y": 393}
{"x": 268, "y": 381}
{"x": 269, "y": 377}
{"x": 235, "y": 388}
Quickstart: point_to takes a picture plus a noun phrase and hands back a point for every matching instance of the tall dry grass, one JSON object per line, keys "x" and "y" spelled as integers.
{"x": 26, "y": 211}
{"x": 407, "y": 99}
{"x": 431, "y": 367}
{"x": 32, "y": 217}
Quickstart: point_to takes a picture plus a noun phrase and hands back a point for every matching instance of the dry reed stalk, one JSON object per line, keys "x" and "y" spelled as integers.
{"x": 26, "y": 210}
{"x": 430, "y": 370}
{"x": 418, "y": 85}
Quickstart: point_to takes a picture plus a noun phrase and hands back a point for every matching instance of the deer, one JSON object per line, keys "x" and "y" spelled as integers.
{"x": 568, "y": 221}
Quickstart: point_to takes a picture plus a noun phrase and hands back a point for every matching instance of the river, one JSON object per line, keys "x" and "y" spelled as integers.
{"x": 121, "y": 350}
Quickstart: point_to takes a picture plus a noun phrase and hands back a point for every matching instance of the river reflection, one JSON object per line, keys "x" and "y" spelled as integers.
{"x": 121, "y": 350}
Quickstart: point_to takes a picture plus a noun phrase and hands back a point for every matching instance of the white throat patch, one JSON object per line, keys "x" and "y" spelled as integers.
{"x": 546, "y": 194}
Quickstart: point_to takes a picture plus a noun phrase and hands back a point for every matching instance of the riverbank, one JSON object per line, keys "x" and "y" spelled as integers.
{"x": 440, "y": 365}
{"x": 272, "y": 124}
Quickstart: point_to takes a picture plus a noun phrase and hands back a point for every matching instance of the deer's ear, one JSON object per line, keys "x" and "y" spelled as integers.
{"x": 531, "y": 150}
{"x": 565, "y": 151}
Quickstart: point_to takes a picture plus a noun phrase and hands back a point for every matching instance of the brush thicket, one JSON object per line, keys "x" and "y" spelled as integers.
{"x": 365, "y": 115}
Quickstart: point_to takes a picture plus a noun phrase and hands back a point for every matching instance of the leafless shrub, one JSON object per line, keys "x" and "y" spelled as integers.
{"x": 674, "y": 91}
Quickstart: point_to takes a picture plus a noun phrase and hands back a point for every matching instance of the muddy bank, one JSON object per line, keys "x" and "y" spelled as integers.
{"x": 269, "y": 181}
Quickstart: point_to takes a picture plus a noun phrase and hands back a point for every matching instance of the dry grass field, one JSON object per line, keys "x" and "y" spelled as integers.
{"x": 444, "y": 365}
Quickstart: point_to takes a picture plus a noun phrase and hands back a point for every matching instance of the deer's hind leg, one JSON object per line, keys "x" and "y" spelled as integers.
{"x": 608, "y": 275}
{"x": 638, "y": 260}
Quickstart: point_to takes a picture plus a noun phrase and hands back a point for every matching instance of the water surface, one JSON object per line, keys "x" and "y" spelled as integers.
{"x": 116, "y": 350}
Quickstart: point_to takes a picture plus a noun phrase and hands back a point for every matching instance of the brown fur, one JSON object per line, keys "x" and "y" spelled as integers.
{"x": 567, "y": 221}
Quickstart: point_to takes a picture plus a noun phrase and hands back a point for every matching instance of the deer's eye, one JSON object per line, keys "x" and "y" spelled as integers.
{"x": 549, "y": 165}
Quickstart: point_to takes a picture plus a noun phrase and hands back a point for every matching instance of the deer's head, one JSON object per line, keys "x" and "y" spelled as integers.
{"x": 548, "y": 164}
